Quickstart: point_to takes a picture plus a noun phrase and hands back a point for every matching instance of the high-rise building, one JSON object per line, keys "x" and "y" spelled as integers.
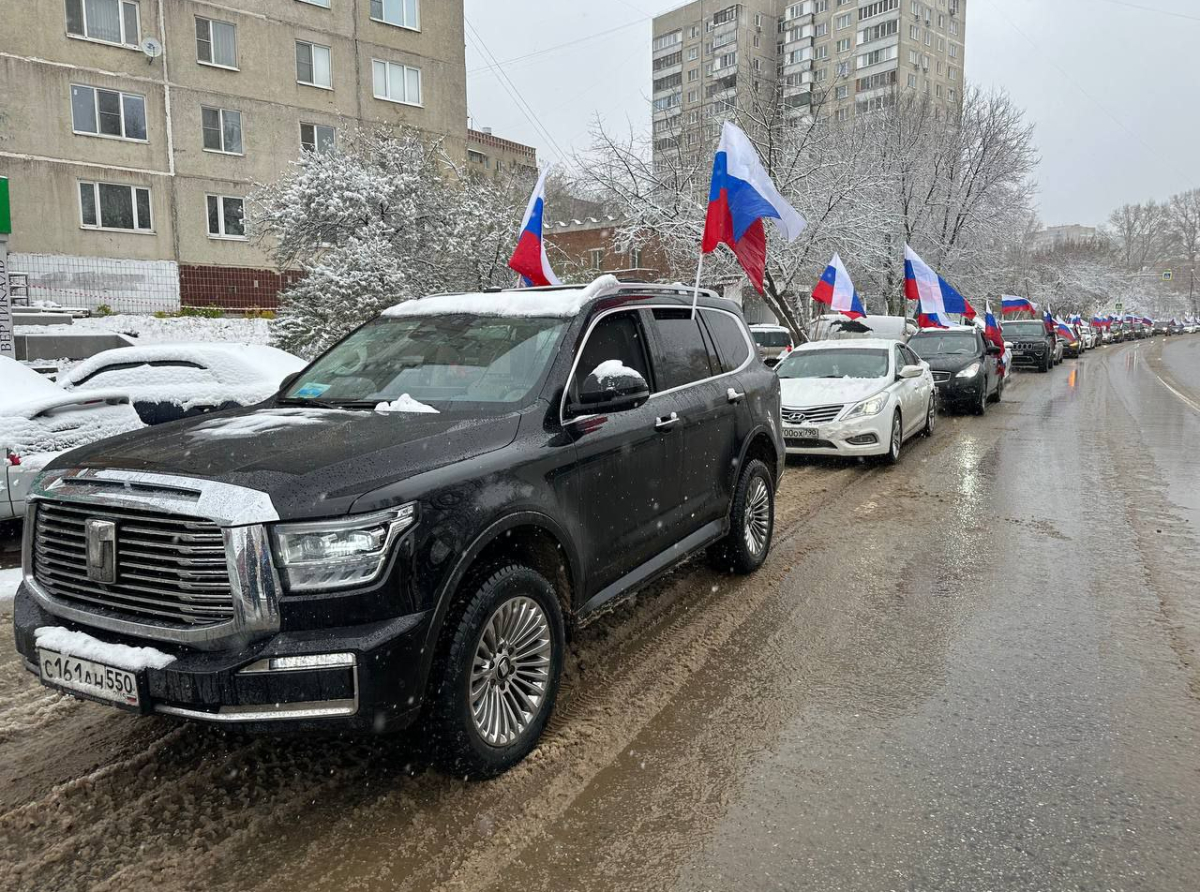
{"x": 132, "y": 131}
{"x": 764, "y": 59}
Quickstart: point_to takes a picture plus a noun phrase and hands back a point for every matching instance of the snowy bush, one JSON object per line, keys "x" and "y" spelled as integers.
{"x": 387, "y": 218}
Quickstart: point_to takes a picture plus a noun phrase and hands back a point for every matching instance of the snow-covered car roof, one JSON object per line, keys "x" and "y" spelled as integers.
{"x": 36, "y": 415}
{"x": 950, "y": 328}
{"x": 542, "y": 302}
{"x": 855, "y": 344}
{"x": 230, "y": 364}
{"x": 767, "y": 326}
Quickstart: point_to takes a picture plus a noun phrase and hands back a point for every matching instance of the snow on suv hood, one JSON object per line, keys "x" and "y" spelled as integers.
{"x": 803, "y": 393}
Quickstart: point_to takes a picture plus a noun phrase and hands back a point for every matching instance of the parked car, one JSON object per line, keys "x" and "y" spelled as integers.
{"x": 1090, "y": 339}
{"x": 774, "y": 342}
{"x": 38, "y": 420}
{"x": 411, "y": 527}
{"x": 855, "y": 398}
{"x": 836, "y": 327}
{"x": 964, "y": 366}
{"x": 1033, "y": 345}
{"x": 167, "y": 382}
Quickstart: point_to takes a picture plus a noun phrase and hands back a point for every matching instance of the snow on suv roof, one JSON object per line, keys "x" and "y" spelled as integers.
{"x": 554, "y": 302}
{"x": 850, "y": 344}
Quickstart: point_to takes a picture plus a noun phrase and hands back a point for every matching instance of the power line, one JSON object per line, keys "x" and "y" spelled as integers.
{"x": 1178, "y": 15}
{"x": 561, "y": 46}
{"x": 515, "y": 94}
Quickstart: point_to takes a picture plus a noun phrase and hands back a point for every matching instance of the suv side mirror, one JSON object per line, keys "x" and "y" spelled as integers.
{"x": 287, "y": 382}
{"x": 611, "y": 387}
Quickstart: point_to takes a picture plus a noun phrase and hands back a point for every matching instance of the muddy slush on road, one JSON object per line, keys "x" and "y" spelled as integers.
{"x": 912, "y": 693}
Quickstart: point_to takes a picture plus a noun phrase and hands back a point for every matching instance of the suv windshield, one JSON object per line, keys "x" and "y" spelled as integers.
{"x": 449, "y": 362}
{"x": 835, "y": 364}
{"x": 956, "y": 343}
{"x": 1027, "y": 329}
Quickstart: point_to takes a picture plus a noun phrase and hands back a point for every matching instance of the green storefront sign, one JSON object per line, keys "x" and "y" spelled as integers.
{"x": 5, "y": 214}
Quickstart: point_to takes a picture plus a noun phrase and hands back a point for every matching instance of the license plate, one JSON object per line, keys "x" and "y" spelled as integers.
{"x": 119, "y": 686}
{"x": 801, "y": 433}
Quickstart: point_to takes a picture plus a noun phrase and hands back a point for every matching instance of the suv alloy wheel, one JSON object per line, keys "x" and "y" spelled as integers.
{"x": 501, "y": 669}
{"x": 752, "y": 522}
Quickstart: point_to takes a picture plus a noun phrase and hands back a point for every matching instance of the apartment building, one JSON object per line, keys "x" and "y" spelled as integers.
{"x": 501, "y": 158}
{"x": 836, "y": 58}
{"x": 132, "y": 131}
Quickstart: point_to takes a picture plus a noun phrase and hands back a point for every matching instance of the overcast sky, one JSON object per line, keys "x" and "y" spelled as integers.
{"x": 1110, "y": 84}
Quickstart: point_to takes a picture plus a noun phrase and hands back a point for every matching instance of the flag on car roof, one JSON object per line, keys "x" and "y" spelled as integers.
{"x": 992, "y": 331}
{"x": 529, "y": 259}
{"x": 936, "y": 298}
{"x": 837, "y": 291}
{"x": 740, "y": 198}
{"x": 1010, "y": 304}
{"x": 1065, "y": 330}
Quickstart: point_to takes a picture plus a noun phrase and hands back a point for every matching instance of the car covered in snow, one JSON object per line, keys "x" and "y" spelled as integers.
{"x": 855, "y": 398}
{"x": 38, "y": 420}
{"x": 167, "y": 382}
{"x": 837, "y": 327}
{"x": 411, "y": 527}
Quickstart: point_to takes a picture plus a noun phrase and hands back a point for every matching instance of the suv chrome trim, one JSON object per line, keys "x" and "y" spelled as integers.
{"x": 241, "y": 512}
{"x": 627, "y": 308}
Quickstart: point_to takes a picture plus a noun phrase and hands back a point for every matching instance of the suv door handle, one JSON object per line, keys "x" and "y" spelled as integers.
{"x": 667, "y": 422}
{"x": 733, "y": 396}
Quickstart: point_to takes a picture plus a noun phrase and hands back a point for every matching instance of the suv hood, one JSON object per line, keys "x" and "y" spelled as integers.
{"x": 312, "y": 462}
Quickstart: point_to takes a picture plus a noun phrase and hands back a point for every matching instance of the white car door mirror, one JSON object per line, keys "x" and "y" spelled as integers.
{"x": 912, "y": 371}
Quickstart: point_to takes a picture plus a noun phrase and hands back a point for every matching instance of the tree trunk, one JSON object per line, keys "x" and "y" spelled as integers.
{"x": 782, "y": 311}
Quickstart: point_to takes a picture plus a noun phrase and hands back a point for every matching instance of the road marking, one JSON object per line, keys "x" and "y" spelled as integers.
{"x": 1195, "y": 407}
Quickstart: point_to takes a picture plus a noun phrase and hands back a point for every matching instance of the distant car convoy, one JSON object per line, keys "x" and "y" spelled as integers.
{"x": 409, "y": 528}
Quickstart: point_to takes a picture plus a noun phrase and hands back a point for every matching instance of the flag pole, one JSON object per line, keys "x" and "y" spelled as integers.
{"x": 696, "y": 291}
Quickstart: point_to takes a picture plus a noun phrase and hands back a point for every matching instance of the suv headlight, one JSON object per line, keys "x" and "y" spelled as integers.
{"x": 970, "y": 371}
{"x": 868, "y": 407}
{"x": 332, "y": 554}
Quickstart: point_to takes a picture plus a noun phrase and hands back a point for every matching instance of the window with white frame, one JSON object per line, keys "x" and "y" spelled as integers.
{"x": 109, "y": 21}
{"x": 397, "y": 83}
{"x": 324, "y": 3}
{"x": 216, "y": 43}
{"x": 222, "y": 130}
{"x": 596, "y": 257}
{"x": 845, "y": 20}
{"x": 114, "y": 206}
{"x": 313, "y": 65}
{"x": 693, "y": 53}
{"x": 843, "y": 45}
{"x": 107, "y": 113}
{"x": 402, "y": 13}
{"x": 317, "y": 137}
{"x": 226, "y": 216}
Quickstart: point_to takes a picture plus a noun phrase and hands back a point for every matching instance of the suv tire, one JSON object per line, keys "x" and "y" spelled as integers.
{"x": 751, "y": 522}
{"x": 505, "y": 600}
{"x": 1045, "y": 364}
{"x": 984, "y": 399}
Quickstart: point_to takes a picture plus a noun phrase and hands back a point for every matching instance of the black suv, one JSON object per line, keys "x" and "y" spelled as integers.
{"x": 413, "y": 524}
{"x": 1032, "y": 343}
{"x": 964, "y": 365}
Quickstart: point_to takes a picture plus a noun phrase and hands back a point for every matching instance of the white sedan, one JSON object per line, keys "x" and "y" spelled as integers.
{"x": 171, "y": 381}
{"x": 855, "y": 398}
{"x": 38, "y": 420}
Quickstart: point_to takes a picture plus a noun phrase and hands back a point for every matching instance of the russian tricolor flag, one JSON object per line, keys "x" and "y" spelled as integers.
{"x": 740, "y": 196}
{"x": 1146, "y": 320}
{"x": 529, "y": 259}
{"x": 1064, "y": 330}
{"x": 992, "y": 331}
{"x": 936, "y": 298}
{"x": 837, "y": 291}
{"x": 1010, "y": 304}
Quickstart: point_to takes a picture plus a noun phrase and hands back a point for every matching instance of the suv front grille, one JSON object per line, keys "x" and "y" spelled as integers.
{"x": 169, "y": 569}
{"x": 815, "y": 415}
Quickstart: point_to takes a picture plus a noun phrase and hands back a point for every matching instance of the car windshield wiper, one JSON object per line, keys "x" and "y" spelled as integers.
{"x": 305, "y": 401}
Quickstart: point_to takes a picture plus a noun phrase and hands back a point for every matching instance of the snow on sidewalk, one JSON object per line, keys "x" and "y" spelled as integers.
{"x": 9, "y": 580}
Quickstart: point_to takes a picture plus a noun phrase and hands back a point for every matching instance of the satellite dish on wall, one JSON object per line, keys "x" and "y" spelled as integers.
{"x": 152, "y": 47}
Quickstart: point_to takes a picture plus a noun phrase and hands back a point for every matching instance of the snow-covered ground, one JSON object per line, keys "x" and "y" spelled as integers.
{"x": 9, "y": 580}
{"x": 151, "y": 330}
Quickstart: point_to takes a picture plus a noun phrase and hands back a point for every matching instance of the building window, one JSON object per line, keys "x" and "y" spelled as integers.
{"x": 596, "y": 257}
{"x": 843, "y": 45}
{"x": 216, "y": 43}
{"x": 313, "y": 65}
{"x": 324, "y": 3}
{"x": 397, "y": 83}
{"x": 316, "y": 137}
{"x": 842, "y": 114}
{"x": 222, "y": 130}
{"x": 843, "y": 69}
{"x": 113, "y": 206}
{"x": 226, "y": 216}
{"x": 635, "y": 258}
{"x": 477, "y": 157}
{"x": 109, "y": 21}
{"x": 821, "y": 29}
{"x": 912, "y": 82}
{"x": 844, "y": 20}
{"x": 402, "y": 13}
{"x": 841, "y": 92}
{"x": 693, "y": 53}
{"x": 107, "y": 113}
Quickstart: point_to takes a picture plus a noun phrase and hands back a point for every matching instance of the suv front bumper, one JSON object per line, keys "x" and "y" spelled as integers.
{"x": 364, "y": 677}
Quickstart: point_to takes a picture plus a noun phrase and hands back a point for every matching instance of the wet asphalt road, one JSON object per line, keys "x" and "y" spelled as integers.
{"x": 977, "y": 670}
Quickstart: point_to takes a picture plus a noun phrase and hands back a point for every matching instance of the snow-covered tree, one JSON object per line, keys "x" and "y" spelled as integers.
{"x": 387, "y": 218}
